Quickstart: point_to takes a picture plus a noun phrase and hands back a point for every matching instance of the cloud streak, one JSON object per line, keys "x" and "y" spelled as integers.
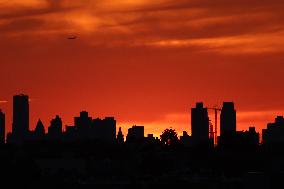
{"x": 169, "y": 23}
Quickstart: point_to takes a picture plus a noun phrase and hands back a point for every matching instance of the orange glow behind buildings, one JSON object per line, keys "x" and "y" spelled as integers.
{"x": 144, "y": 62}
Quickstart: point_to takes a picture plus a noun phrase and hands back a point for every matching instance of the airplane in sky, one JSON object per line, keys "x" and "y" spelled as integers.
{"x": 72, "y": 37}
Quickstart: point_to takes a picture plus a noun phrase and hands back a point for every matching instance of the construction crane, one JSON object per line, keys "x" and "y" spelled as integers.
{"x": 211, "y": 132}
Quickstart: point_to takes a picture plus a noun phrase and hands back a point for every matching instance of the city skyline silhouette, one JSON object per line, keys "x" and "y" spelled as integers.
{"x": 170, "y": 122}
{"x": 84, "y": 127}
{"x": 92, "y": 151}
{"x": 140, "y": 93}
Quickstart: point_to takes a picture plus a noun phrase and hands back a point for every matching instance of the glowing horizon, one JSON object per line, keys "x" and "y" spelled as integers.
{"x": 143, "y": 62}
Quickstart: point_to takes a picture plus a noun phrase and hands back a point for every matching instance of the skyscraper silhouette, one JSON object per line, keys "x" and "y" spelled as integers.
{"x": 120, "y": 137}
{"x": 55, "y": 128}
{"x": 83, "y": 122}
{"x": 274, "y": 133}
{"x": 2, "y": 127}
{"x": 39, "y": 130}
{"x": 110, "y": 128}
{"x": 135, "y": 134}
{"x": 228, "y": 119}
{"x": 104, "y": 129}
{"x": 20, "y": 128}
{"x": 83, "y": 125}
{"x": 199, "y": 124}
{"x": 87, "y": 128}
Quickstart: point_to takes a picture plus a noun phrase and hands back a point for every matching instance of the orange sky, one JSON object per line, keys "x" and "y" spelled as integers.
{"x": 145, "y": 62}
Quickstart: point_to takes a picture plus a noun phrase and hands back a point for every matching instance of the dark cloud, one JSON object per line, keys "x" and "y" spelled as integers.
{"x": 53, "y": 6}
{"x": 24, "y": 24}
{"x": 148, "y": 22}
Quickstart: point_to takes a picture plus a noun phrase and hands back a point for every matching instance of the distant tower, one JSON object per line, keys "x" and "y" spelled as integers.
{"x": 84, "y": 121}
{"x": 83, "y": 125}
{"x": 120, "y": 137}
{"x": 228, "y": 119}
{"x": 55, "y": 128}
{"x": 110, "y": 124}
{"x": 199, "y": 124}
{"x": 20, "y": 127}
{"x": 135, "y": 134}
{"x": 39, "y": 130}
{"x": 274, "y": 133}
{"x": 104, "y": 129}
{"x": 2, "y": 127}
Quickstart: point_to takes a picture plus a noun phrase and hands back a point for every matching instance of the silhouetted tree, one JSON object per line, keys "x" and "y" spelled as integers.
{"x": 169, "y": 137}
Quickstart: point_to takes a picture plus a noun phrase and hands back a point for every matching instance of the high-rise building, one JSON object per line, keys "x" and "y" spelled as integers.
{"x": 274, "y": 133}
{"x": 135, "y": 134}
{"x": 20, "y": 127}
{"x": 228, "y": 119}
{"x": 83, "y": 122}
{"x": 110, "y": 124}
{"x": 2, "y": 127}
{"x": 55, "y": 128}
{"x": 199, "y": 124}
{"x": 185, "y": 139}
{"x": 87, "y": 128}
{"x": 104, "y": 129}
{"x": 39, "y": 131}
{"x": 120, "y": 137}
{"x": 83, "y": 125}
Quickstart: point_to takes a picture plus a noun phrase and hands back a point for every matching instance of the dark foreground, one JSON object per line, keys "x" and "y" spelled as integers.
{"x": 91, "y": 164}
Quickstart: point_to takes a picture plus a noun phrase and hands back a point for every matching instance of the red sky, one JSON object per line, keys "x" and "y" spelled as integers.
{"x": 144, "y": 62}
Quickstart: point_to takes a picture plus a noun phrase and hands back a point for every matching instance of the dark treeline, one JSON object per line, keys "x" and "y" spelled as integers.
{"x": 141, "y": 164}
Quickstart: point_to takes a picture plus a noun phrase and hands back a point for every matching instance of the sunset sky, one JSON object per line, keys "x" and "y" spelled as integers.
{"x": 144, "y": 62}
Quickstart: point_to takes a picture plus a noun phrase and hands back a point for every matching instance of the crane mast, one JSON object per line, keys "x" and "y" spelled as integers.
{"x": 214, "y": 134}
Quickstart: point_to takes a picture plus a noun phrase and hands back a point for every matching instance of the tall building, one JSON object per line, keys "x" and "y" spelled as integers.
{"x": 251, "y": 137}
{"x": 185, "y": 139}
{"x": 228, "y": 119}
{"x": 83, "y": 122}
{"x": 87, "y": 128}
{"x": 104, "y": 129}
{"x": 20, "y": 127}
{"x": 120, "y": 137}
{"x": 135, "y": 134}
{"x": 55, "y": 128}
{"x": 274, "y": 133}
{"x": 2, "y": 127}
{"x": 199, "y": 124}
{"x": 83, "y": 125}
{"x": 39, "y": 131}
{"x": 110, "y": 126}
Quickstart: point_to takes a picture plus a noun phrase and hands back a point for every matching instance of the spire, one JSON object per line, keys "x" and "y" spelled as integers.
{"x": 120, "y": 137}
{"x": 40, "y": 128}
